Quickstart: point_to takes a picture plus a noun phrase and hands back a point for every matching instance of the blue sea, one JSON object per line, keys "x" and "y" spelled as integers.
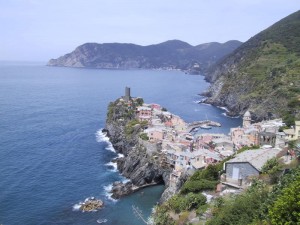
{"x": 52, "y": 152}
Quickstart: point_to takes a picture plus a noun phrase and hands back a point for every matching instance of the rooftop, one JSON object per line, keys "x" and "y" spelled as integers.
{"x": 289, "y": 131}
{"x": 256, "y": 158}
{"x": 247, "y": 114}
{"x": 143, "y": 108}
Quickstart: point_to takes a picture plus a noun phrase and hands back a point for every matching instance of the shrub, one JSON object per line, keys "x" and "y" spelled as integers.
{"x": 183, "y": 218}
{"x": 129, "y": 129}
{"x": 286, "y": 208}
{"x": 195, "y": 200}
{"x": 140, "y": 101}
{"x": 144, "y": 136}
{"x": 210, "y": 173}
{"x": 272, "y": 167}
{"x": 198, "y": 185}
{"x": 161, "y": 216}
{"x": 179, "y": 203}
{"x": 240, "y": 209}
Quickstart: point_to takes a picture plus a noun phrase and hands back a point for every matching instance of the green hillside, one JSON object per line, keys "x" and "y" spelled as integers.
{"x": 263, "y": 74}
{"x": 173, "y": 54}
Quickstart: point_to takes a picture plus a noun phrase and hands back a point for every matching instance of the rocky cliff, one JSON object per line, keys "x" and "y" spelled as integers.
{"x": 140, "y": 162}
{"x": 262, "y": 75}
{"x": 167, "y": 55}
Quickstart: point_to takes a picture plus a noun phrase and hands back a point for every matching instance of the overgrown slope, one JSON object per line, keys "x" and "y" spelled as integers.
{"x": 172, "y": 54}
{"x": 263, "y": 74}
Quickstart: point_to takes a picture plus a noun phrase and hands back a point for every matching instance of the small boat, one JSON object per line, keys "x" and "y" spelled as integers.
{"x": 205, "y": 126}
{"x": 101, "y": 220}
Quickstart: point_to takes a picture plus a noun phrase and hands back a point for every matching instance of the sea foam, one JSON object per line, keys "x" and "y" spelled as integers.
{"x": 76, "y": 207}
{"x": 108, "y": 193}
{"x": 101, "y": 137}
{"x": 112, "y": 166}
{"x": 225, "y": 114}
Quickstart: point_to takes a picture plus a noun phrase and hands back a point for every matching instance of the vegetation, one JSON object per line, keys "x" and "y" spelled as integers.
{"x": 140, "y": 101}
{"x": 261, "y": 204}
{"x": 162, "y": 216}
{"x": 239, "y": 209}
{"x": 264, "y": 73}
{"x": 125, "y": 111}
{"x": 170, "y": 54}
{"x": 134, "y": 126}
{"x": 202, "y": 180}
{"x": 245, "y": 148}
{"x": 272, "y": 167}
{"x": 179, "y": 203}
{"x": 190, "y": 196}
{"x": 144, "y": 136}
{"x": 286, "y": 208}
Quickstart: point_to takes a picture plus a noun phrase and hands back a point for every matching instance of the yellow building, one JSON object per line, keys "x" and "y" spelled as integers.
{"x": 293, "y": 133}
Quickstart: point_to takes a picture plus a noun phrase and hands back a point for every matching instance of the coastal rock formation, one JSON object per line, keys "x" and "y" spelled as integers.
{"x": 262, "y": 75}
{"x": 91, "y": 204}
{"x": 173, "y": 54}
{"x": 138, "y": 165}
{"x": 120, "y": 189}
{"x": 170, "y": 191}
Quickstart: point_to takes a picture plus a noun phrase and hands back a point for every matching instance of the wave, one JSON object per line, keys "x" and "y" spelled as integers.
{"x": 150, "y": 219}
{"x": 101, "y": 137}
{"x": 120, "y": 155}
{"x": 108, "y": 193}
{"x": 224, "y": 108}
{"x": 202, "y": 103}
{"x": 225, "y": 114}
{"x": 113, "y": 166}
{"x": 125, "y": 180}
{"x": 110, "y": 147}
{"x": 77, "y": 206}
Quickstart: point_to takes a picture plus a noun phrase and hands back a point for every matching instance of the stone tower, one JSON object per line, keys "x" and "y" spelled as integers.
{"x": 127, "y": 96}
{"x": 247, "y": 119}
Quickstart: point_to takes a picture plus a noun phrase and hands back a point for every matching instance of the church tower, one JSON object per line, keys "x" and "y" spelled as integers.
{"x": 247, "y": 119}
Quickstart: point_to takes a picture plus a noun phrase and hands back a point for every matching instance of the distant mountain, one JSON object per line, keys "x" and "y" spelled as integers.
{"x": 172, "y": 54}
{"x": 262, "y": 75}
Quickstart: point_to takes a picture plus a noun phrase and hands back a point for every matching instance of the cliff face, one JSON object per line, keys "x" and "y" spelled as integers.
{"x": 262, "y": 75}
{"x": 138, "y": 163}
{"x": 168, "y": 55}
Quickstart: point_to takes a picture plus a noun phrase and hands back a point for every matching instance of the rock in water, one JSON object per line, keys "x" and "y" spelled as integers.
{"x": 91, "y": 204}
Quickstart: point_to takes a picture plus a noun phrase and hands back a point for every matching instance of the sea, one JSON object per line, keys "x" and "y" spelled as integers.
{"x": 53, "y": 154}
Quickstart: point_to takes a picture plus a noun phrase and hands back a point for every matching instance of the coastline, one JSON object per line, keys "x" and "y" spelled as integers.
{"x": 142, "y": 133}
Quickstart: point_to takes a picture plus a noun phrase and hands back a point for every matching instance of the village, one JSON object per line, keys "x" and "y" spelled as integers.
{"x": 186, "y": 151}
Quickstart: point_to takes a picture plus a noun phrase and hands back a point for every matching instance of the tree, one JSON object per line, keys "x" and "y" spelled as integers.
{"x": 272, "y": 167}
{"x": 286, "y": 209}
{"x": 140, "y": 101}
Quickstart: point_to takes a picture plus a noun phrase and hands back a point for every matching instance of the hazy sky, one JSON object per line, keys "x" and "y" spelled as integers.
{"x": 42, "y": 29}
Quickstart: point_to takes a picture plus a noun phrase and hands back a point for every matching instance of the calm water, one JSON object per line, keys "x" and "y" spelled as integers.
{"x": 52, "y": 155}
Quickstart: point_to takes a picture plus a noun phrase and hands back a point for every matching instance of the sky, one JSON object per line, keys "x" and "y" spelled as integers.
{"x": 38, "y": 30}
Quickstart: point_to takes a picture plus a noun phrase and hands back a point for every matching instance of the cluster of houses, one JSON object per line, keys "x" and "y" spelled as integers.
{"x": 186, "y": 153}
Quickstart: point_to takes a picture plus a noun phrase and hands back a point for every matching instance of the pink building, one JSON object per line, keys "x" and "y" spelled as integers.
{"x": 144, "y": 113}
{"x": 156, "y": 106}
{"x": 237, "y": 135}
{"x": 155, "y": 134}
